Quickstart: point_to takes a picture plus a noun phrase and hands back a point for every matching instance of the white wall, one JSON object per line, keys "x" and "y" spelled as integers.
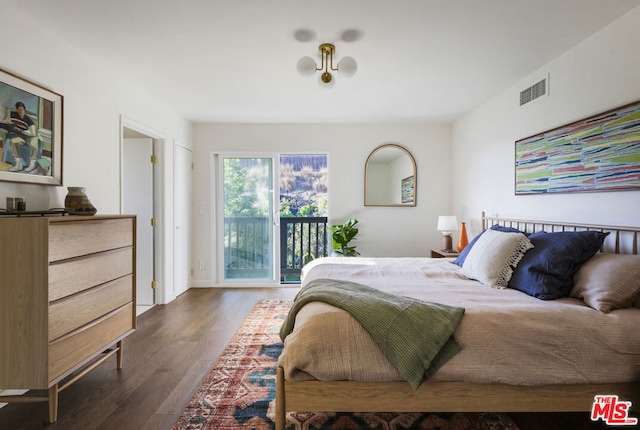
{"x": 599, "y": 74}
{"x": 95, "y": 97}
{"x": 384, "y": 231}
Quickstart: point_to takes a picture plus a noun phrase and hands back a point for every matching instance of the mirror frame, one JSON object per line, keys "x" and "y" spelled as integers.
{"x": 415, "y": 177}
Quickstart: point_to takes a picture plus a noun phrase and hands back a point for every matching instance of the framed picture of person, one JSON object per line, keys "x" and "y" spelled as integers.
{"x": 30, "y": 132}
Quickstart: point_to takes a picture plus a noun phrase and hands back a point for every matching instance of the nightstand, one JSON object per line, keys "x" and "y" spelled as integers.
{"x": 438, "y": 253}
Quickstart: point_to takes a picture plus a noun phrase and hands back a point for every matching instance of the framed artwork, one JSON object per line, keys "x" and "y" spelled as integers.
{"x": 30, "y": 132}
{"x": 407, "y": 190}
{"x": 599, "y": 153}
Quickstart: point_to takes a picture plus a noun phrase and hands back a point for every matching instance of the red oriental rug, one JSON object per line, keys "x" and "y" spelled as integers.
{"x": 239, "y": 392}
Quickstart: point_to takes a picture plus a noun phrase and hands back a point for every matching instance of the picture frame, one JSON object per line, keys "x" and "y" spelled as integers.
{"x": 31, "y": 121}
{"x": 407, "y": 190}
{"x": 595, "y": 154}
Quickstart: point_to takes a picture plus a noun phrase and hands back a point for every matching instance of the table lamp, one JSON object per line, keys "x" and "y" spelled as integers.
{"x": 447, "y": 224}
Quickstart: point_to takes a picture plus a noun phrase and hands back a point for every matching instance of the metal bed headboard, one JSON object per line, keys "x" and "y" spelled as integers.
{"x": 621, "y": 240}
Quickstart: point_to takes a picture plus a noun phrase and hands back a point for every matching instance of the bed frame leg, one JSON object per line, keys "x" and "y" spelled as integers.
{"x": 280, "y": 400}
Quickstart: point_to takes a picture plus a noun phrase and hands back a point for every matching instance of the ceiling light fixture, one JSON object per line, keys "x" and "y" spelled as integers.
{"x": 307, "y": 66}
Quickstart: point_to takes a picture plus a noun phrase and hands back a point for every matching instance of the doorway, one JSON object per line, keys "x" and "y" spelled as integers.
{"x": 270, "y": 216}
{"x": 138, "y": 198}
{"x": 247, "y": 213}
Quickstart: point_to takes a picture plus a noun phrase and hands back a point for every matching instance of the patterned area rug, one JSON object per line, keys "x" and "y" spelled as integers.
{"x": 239, "y": 391}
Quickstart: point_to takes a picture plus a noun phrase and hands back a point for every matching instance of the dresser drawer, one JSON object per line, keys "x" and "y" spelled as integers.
{"x": 73, "y": 349}
{"x": 75, "y": 311}
{"x": 73, "y": 239}
{"x": 73, "y": 276}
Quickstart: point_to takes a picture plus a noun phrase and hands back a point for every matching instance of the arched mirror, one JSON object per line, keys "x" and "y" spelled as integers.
{"x": 390, "y": 177}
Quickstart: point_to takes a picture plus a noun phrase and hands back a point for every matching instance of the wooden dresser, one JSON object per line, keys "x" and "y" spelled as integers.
{"x": 67, "y": 299}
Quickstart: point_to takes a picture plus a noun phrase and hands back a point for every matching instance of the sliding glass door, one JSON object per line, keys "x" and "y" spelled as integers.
{"x": 248, "y": 226}
{"x": 270, "y": 216}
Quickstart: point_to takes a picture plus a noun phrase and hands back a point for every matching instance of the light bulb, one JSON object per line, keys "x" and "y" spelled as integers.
{"x": 306, "y": 66}
{"x": 347, "y": 66}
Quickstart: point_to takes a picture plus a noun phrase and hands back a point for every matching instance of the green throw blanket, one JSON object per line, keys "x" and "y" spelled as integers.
{"x": 416, "y": 336}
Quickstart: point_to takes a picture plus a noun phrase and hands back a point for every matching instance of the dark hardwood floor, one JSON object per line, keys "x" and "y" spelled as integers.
{"x": 172, "y": 350}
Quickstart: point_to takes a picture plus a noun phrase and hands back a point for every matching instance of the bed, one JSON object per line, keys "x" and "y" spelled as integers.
{"x": 556, "y": 353}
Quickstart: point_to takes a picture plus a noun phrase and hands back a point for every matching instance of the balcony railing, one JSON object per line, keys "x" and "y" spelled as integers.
{"x": 302, "y": 239}
{"x": 247, "y": 243}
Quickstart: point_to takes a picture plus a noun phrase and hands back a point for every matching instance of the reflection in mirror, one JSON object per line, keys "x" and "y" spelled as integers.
{"x": 390, "y": 177}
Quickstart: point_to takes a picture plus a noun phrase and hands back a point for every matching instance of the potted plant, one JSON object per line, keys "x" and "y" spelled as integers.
{"x": 341, "y": 235}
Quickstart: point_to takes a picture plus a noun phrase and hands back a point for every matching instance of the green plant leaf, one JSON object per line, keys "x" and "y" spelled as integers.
{"x": 341, "y": 235}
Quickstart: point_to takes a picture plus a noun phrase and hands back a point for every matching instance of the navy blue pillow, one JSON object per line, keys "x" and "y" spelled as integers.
{"x": 546, "y": 271}
{"x": 463, "y": 255}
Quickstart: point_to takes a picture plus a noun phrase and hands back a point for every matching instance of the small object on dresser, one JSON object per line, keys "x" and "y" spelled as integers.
{"x": 77, "y": 203}
{"x": 15, "y": 204}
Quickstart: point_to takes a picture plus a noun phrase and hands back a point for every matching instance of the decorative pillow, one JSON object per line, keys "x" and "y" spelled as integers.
{"x": 463, "y": 255}
{"x": 608, "y": 281}
{"x": 493, "y": 257}
{"x": 546, "y": 272}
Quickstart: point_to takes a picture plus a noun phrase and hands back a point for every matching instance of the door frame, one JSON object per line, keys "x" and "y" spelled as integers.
{"x": 163, "y": 243}
{"x": 217, "y": 203}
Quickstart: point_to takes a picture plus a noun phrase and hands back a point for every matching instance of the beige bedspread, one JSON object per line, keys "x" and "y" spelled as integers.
{"x": 506, "y": 335}
{"x": 416, "y": 336}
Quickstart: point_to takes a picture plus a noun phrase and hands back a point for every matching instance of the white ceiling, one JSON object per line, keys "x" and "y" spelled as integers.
{"x": 235, "y": 60}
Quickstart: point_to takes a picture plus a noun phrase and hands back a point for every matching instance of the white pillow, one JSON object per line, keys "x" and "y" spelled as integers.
{"x": 494, "y": 256}
{"x": 608, "y": 281}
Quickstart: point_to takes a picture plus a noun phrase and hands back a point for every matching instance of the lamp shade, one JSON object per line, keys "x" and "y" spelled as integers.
{"x": 347, "y": 66}
{"x": 306, "y": 66}
{"x": 447, "y": 223}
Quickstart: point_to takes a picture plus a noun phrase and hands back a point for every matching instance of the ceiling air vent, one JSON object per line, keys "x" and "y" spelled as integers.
{"x": 536, "y": 90}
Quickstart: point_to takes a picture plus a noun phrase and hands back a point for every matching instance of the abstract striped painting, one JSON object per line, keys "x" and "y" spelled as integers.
{"x": 599, "y": 153}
